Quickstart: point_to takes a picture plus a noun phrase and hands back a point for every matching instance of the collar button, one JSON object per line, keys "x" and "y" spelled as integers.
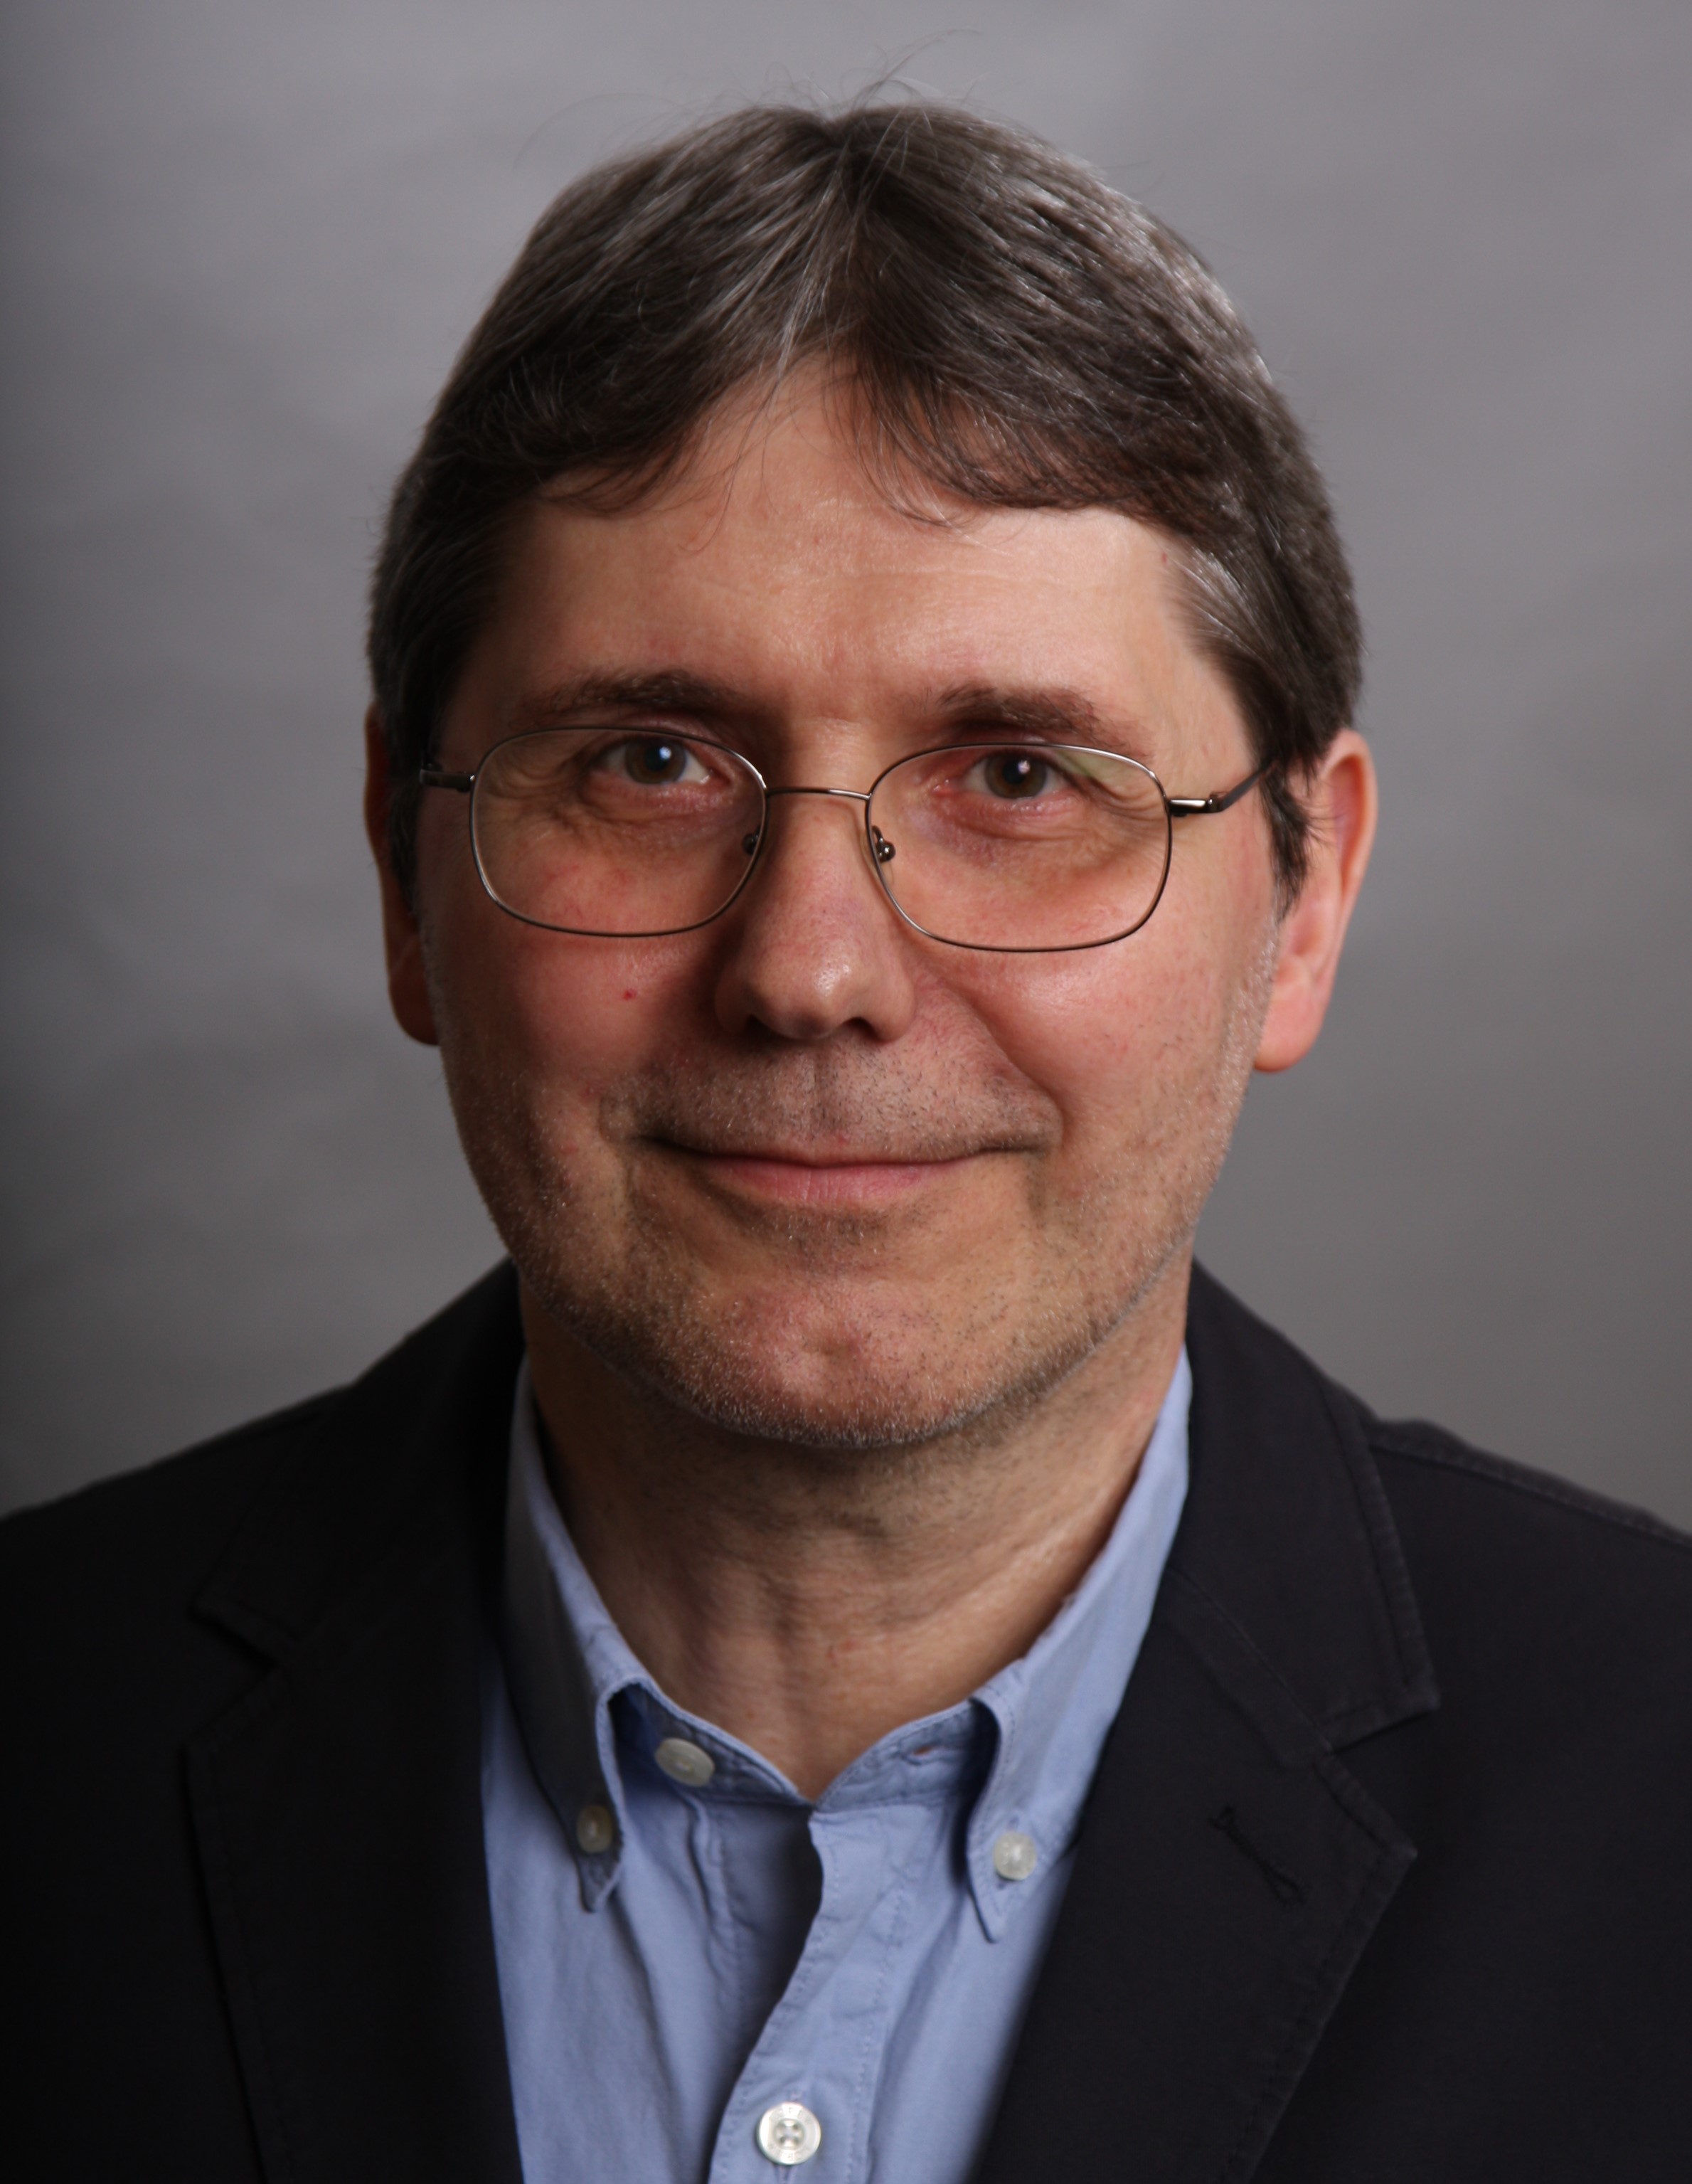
{"x": 685, "y": 1762}
{"x": 1015, "y": 1855}
{"x": 595, "y": 1830}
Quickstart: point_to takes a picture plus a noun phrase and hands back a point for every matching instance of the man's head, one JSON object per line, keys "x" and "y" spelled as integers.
{"x": 833, "y": 440}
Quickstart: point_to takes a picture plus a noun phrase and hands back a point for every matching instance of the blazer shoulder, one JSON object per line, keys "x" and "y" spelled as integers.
{"x": 180, "y": 1511}
{"x": 305, "y": 1489}
{"x": 1480, "y": 1485}
{"x": 1576, "y": 1608}
{"x": 161, "y": 1526}
{"x": 1522, "y": 1589}
{"x": 1460, "y": 1487}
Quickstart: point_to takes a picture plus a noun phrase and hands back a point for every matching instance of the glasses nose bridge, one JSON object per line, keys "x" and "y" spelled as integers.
{"x": 860, "y": 797}
{"x": 849, "y": 795}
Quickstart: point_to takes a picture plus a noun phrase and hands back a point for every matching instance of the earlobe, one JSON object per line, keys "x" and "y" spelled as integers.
{"x": 408, "y": 988}
{"x": 1342, "y": 801}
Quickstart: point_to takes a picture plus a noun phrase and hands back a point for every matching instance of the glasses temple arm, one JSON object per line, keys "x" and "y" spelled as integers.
{"x": 1200, "y": 807}
{"x": 431, "y": 777}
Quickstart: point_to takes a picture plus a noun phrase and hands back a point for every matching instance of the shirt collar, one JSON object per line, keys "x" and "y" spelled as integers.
{"x": 1043, "y": 1717}
{"x": 1054, "y": 1705}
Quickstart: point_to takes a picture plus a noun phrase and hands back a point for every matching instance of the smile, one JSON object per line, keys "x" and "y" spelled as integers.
{"x": 798, "y": 1180}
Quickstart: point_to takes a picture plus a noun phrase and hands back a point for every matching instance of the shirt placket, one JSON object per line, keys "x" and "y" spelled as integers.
{"x": 803, "y": 2098}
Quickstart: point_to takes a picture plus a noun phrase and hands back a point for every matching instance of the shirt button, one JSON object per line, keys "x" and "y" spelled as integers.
{"x": 684, "y": 1761}
{"x": 789, "y": 2134}
{"x": 595, "y": 1830}
{"x": 1015, "y": 1855}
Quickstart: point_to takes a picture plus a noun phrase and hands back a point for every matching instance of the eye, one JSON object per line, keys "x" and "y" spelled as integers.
{"x": 1015, "y": 775}
{"x": 650, "y": 761}
{"x": 653, "y": 762}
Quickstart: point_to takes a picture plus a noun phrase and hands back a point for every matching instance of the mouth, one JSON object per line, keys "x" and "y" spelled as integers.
{"x": 830, "y": 1182}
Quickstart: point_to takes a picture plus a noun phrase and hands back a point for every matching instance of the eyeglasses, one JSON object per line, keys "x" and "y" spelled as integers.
{"x": 1023, "y": 849}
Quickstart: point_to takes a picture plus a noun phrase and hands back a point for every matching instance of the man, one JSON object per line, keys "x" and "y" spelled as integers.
{"x": 850, "y": 1652}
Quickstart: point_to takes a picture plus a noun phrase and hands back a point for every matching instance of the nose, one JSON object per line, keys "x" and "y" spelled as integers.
{"x": 814, "y": 945}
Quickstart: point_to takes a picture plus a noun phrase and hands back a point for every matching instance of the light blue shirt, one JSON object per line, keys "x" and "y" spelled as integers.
{"x": 682, "y": 1952}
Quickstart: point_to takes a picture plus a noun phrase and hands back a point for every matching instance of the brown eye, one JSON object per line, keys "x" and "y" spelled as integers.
{"x": 655, "y": 761}
{"x": 1016, "y": 773}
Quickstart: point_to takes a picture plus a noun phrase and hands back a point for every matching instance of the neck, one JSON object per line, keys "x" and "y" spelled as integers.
{"x": 809, "y": 1601}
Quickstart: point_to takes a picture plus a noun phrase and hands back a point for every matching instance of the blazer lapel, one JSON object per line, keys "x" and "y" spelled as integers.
{"x": 1230, "y": 1869}
{"x": 338, "y": 1808}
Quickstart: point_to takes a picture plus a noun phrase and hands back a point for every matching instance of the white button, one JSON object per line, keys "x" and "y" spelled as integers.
{"x": 684, "y": 1761}
{"x": 595, "y": 1830}
{"x": 789, "y": 2134}
{"x": 1015, "y": 1855}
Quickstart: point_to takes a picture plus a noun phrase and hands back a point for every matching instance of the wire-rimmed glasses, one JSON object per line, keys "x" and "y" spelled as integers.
{"x": 631, "y": 834}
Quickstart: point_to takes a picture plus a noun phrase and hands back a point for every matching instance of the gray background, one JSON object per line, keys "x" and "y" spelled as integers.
{"x": 241, "y": 245}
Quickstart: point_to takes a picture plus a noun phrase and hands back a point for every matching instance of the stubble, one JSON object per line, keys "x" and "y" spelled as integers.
{"x": 829, "y": 1345}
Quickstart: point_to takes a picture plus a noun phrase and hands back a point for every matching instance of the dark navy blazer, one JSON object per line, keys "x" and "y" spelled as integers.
{"x": 1386, "y": 1875}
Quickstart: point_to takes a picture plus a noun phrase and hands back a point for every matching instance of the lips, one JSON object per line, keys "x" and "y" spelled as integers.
{"x": 843, "y": 1110}
{"x": 833, "y": 1157}
{"x": 808, "y": 1179}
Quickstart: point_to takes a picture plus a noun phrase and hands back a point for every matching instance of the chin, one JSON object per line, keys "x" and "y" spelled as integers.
{"x": 827, "y": 1371}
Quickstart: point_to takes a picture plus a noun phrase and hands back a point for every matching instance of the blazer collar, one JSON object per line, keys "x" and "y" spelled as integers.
{"x": 1287, "y": 1528}
{"x": 337, "y": 1809}
{"x": 1232, "y": 1870}
{"x": 418, "y": 1442}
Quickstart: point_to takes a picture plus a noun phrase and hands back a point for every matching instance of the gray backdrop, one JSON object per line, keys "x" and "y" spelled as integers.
{"x": 240, "y": 244}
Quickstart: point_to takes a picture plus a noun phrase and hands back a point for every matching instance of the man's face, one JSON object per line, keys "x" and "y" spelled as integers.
{"x": 803, "y": 1171}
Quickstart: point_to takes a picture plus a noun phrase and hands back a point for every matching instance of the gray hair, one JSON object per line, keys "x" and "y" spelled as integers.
{"x": 1014, "y": 332}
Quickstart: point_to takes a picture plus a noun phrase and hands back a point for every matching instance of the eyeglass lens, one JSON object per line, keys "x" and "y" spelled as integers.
{"x": 623, "y": 832}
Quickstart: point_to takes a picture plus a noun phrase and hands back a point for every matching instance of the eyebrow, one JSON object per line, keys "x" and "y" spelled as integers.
{"x": 1059, "y": 715}
{"x": 1045, "y": 714}
{"x": 668, "y": 690}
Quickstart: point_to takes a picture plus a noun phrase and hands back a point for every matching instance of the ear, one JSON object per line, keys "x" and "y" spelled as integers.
{"x": 408, "y": 989}
{"x": 1341, "y": 798}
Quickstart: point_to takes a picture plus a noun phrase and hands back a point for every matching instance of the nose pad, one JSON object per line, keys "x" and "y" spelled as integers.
{"x": 885, "y": 851}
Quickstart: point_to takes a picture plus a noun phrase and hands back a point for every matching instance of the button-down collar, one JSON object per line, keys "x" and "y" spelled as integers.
{"x": 1025, "y": 1746}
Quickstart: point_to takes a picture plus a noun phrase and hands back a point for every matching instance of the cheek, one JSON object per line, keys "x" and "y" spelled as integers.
{"x": 1121, "y": 1038}
{"x": 552, "y": 1018}
{"x": 1086, "y": 1032}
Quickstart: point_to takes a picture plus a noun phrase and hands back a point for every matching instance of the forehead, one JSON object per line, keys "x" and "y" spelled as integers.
{"x": 776, "y": 564}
